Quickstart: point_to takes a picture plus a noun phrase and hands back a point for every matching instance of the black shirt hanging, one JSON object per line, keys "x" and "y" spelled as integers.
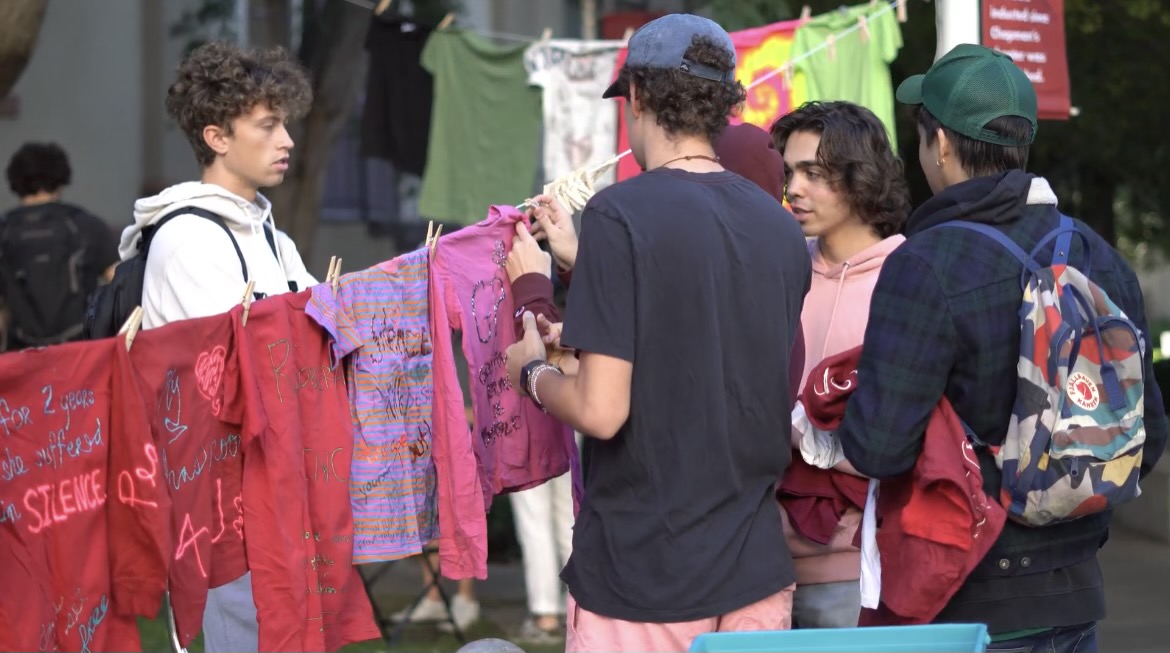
{"x": 397, "y": 119}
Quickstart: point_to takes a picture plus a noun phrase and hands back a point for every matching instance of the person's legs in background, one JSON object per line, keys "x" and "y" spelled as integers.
{"x": 464, "y": 607}
{"x": 229, "y": 619}
{"x": 544, "y": 518}
{"x": 430, "y": 609}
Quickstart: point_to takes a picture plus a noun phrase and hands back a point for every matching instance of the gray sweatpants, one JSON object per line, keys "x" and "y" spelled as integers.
{"x": 827, "y": 605}
{"x": 229, "y": 620}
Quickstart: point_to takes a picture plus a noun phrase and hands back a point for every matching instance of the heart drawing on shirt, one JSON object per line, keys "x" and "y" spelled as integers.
{"x": 209, "y": 375}
{"x": 486, "y": 298}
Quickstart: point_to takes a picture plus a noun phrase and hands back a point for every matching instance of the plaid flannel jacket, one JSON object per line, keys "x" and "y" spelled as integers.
{"x": 944, "y": 322}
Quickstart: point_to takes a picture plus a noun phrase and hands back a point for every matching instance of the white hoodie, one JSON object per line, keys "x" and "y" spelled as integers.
{"x": 193, "y": 270}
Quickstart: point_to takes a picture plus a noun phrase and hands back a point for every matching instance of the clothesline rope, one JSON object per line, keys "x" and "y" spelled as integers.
{"x": 574, "y": 189}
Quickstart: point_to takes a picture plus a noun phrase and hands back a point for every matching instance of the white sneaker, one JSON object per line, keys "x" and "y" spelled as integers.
{"x": 465, "y": 611}
{"x": 427, "y": 610}
{"x": 530, "y": 632}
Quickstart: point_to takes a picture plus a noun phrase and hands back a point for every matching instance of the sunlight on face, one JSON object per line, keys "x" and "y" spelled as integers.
{"x": 815, "y": 204}
{"x": 259, "y": 147}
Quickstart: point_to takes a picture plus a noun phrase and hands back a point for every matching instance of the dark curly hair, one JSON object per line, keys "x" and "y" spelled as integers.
{"x": 856, "y": 155}
{"x": 684, "y": 104}
{"x": 38, "y": 167}
{"x": 219, "y": 82}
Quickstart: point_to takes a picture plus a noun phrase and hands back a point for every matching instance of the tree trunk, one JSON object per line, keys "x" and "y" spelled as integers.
{"x": 270, "y": 23}
{"x": 337, "y": 64}
{"x": 1098, "y": 194}
{"x": 20, "y": 23}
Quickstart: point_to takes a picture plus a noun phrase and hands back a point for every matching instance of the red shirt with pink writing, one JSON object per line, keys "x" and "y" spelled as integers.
{"x": 298, "y": 434}
{"x": 82, "y": 505}
{"x": 201, "y": 456}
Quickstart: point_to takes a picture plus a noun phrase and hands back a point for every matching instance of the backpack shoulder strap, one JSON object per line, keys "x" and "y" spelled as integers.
{"x": 1064, "y": 232}
{"x": 271, "y": 238}
{"x": 270, "y": 235}
{"x": 147, "y": 237}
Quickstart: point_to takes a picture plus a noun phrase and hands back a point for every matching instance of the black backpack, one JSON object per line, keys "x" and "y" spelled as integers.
{"x": 111, "y": 305}
{"x": 42, "y": 269}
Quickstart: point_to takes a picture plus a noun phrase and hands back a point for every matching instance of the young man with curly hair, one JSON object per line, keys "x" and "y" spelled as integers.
{"x": 52, "y": 254}
{"x": 683, "y": 308}
{"x": 233, "y": 106}
{"x": 847, "y": 191}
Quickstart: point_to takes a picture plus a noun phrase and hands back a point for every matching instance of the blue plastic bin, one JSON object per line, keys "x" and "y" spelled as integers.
{"x": 935, "y": 638}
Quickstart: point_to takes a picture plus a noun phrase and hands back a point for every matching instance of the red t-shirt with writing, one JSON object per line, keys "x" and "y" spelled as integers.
{"x": 297, "y": 513}
{"x": 82, "y": 505}
{"x": 182, "y": 369}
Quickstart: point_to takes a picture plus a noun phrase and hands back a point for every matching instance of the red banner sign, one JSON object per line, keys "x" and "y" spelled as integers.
{"x": 1032, "y": 33}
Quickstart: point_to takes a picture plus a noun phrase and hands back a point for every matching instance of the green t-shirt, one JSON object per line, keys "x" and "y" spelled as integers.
{"x": 860, "y": 71}
{"x": 485, "y": 128}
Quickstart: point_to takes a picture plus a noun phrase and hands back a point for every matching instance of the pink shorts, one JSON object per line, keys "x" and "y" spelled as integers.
{"x": 586, "y": 631}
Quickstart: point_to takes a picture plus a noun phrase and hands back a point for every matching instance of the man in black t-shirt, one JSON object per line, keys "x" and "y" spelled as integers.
{"x": 685, "y": 299}
{"x": 52, "y": 254}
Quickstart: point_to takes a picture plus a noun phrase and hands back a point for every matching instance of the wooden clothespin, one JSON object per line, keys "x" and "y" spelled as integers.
{"x": 447, "y": 20}
{"x": 435, "y": 240}
{"x": 336, "y": 280}
{"x": 628, "y": 34}
{"x": 864, "y": 24}
{"x": 902, "y": 16}
{"x": 247, "y": 301}
{"x": 831, "y": 45}
{"x": 789, "y": 73}
{"x": 383, "y": 5}
{"x": 329, "y": 272}
{"x": 805, "y": 13}
{"x": 546, "y": 35}
{"x": 430, "y": 232}
{"x": 131, "y": 326}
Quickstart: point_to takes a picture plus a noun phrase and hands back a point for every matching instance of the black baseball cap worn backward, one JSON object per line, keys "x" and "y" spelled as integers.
{"x": 662, "y": 43}
{"x": 969, "y": 87}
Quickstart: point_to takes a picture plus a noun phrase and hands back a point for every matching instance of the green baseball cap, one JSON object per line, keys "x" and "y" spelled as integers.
{"x": 969, "y": 87}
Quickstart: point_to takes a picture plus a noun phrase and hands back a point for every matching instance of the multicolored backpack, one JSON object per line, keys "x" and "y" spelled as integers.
{"x": 1074, "y": 443}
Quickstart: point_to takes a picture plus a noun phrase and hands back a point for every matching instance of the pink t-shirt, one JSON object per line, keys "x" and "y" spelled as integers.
{"x": 514, "y": 445}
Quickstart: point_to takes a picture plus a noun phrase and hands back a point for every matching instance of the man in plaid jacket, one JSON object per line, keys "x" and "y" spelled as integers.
{"x": 944, "y": 322}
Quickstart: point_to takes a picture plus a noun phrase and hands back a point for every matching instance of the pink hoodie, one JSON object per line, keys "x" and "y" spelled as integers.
{"x": 835, "y": 313}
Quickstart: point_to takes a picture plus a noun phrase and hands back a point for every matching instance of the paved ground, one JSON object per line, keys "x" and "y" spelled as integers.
{"x": 1137, "y": 586}
{"x": 1137, "y": 577}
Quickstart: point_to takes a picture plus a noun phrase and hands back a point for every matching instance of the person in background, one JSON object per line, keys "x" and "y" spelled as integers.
{"x": 749, "y": 152}
{"x": 678, "y": 529}
{"x": 847, "y": 190}
{"x": 464, "y": 605}
{"x": 52, "y": 254}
